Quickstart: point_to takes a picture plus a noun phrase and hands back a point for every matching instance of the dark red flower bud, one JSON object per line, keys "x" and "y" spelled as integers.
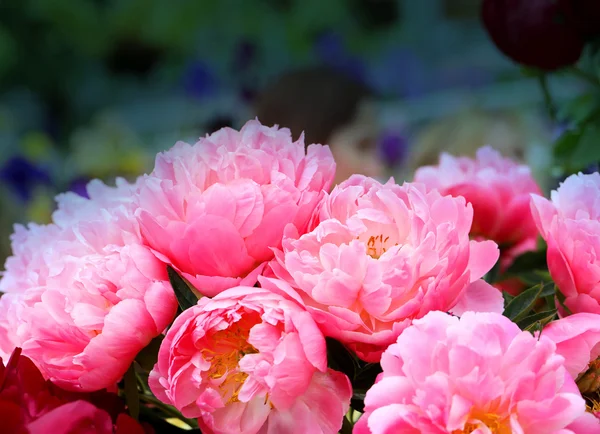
{"x": 583, "y": 15}
{"x": 533, "y": 33}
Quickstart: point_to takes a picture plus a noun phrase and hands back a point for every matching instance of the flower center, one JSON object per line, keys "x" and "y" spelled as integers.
{"x": 226, "y": 349}
{"x": 377, "y": 245}
{"x": 490, "y": 420}
{"x": 589, "y": 382}
{"x": 592, "y": 403}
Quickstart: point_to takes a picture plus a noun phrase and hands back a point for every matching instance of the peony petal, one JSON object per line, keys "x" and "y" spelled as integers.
{"x": 479, "y": 296}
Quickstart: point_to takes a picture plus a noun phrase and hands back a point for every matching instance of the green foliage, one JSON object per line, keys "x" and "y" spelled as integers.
{"x": 361, "y": 374}
{"x": 537, "y": 319}
{"x": 132, "y": 395}
{"x": 186, "y": 295}
{"x": 149, "y": 355}
{"x": 526, "y": 263}
{"x": 522, "y": 305}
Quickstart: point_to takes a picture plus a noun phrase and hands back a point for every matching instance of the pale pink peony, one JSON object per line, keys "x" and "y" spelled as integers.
{"x": 498, "y": 188}
{"x": 577, "y": 339}
{"x": 379, "y": 256}
{"x": 215, "y": 209}
{"x": 250, "y": 361}
{"x": 570, "y": 224}
{"x": 90, "y": 297}
{"x": 479, "y": 374}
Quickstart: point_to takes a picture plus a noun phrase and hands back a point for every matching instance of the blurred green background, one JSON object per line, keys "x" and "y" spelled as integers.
{"x": 95, "y": 88}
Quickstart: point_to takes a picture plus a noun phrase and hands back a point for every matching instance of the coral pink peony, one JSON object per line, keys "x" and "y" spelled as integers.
{"x": 31, "y": 405}
{"x": 479, "y": 374}
{"x": 498, "y": 188}
{"x": 379, "y": 256}
{"x": 250, "y": 361}
{"x": 215, "y": 209}
{"x": 577, "y": 339}
{"x": 90, "y": 297}
{"x": 570, "y": 224}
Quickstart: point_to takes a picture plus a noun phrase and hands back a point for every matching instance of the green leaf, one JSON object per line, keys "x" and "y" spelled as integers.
{"x": 521, "y": 305}
{"x": 493, "y": 275}
{"x": 541, "y": 244}
{"x": 588, "y": 150}
{"x": 149, "y": 355}
{"x": 580, "y": 109}
{"x": 541, "y": 318}
{"x": 132, "y": 396}
{"x": 527, "y": 262}
{"x": 362, "y": 381}
{"x": 340, "y": 358}
{"x": 548, "y": 289}
{"x": 561, "y": 300}
{"x": 534, "y": 277}
{"x": 528, "y": 71}
{"x": 507, "y": 298}
{"x": 186, "y": 295}
{"x": 565, "y": 145}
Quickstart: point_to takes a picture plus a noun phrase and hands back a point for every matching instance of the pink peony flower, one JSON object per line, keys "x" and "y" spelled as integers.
{"x": 498, "y": 188}
{"x": 379, "y": 256}
{"x": 31, "y": 405}
{"x": 214, "y": 210}
{"x": 250, "y": 361}
{"x": 90, "y": 297}
{"x": 570, "y": 224}
{"x": 577, "y": 339}
{"x": 479, "y": 374}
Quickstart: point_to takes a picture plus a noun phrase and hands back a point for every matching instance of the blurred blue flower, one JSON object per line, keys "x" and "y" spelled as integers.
{"x": 400, "y": 72}
{"x": 393, "y": 148}
{"x": 199, "y": 81}
{"x": 330, "y": 49}
{"x": 22, "y": 177}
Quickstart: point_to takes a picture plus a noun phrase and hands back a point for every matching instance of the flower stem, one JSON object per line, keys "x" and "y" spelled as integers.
{"x": 347, "y": 426}
{"x": 586, "y": 76}
{"x": 131, "y": 393}
{"x": 167, "y": 409}
{"x": 543, "y": 79}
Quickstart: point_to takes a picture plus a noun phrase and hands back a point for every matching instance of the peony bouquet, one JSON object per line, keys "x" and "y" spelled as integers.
{"x": 232, "y": 290}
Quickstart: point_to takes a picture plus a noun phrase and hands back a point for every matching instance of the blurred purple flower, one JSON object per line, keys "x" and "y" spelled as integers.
{"x": 22, "y": 177}
{"x": 330, "y": 49}
{"x": 592, "y": 168}
{"x": 393, "y": 147}
{"x": 199, "y": 81}
{"x": 78, "y": 186}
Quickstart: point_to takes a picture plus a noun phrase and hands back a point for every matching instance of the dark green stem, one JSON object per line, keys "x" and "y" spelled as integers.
{"x": 543, "y": 79}
{"x": 586, "y": 76}
{"x": 131, "y": 393}
{"x": 347, "y": 426}
{"x": 167, "y": 409}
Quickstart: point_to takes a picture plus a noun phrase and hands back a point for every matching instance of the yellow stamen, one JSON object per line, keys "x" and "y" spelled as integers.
{"x": 493, "y": 422}
{"x": 226, "y": 350}
{"x": 378, "y": 245}
{"x": 592, "y": 402}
